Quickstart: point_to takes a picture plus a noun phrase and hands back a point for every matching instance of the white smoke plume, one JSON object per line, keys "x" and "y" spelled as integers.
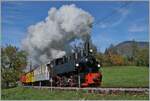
{"x": 50, "y": 38}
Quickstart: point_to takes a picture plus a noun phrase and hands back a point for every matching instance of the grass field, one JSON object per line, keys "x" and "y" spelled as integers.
{"x": 19, "y": 93}
{"x": 124, "y": 76}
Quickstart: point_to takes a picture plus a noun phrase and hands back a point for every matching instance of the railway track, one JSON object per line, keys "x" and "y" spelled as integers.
{"x": 96, "y": 90}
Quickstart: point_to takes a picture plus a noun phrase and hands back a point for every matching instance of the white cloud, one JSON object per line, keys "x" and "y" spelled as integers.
{"x": 124, "y": 11}
{"x": 136, "y": 28}
{"x": 122, "y": 14}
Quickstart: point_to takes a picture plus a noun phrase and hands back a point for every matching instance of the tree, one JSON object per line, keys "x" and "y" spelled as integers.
{"x": 100, "y": 58}
{"x": 143, "y": 57}
{"x": 117, "y": 59}
{"x": 13, "y": 62}
{"x": 106, "y": 51}
{"x": 134, "y": 51}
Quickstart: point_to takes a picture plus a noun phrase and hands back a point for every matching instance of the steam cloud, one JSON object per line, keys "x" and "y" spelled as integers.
{"x": 50, "y": 38}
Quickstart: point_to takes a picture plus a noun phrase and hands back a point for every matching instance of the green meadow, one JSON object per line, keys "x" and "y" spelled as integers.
{"x": 20, "y": 93}
{"x": 124, "y": 76}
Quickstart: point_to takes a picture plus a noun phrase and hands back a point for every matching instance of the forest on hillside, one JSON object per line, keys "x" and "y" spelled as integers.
{"x": 130, "y": 53}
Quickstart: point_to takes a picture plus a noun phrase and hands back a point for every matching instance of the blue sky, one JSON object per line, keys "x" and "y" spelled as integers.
{"x": 114, "y": 22}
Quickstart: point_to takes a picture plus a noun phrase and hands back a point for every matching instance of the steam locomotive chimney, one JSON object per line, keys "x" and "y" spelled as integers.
{"x": 87, "y": 45}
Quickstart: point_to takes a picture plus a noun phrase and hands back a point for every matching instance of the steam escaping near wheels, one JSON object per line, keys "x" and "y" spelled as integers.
{"x": 50, "y": 38}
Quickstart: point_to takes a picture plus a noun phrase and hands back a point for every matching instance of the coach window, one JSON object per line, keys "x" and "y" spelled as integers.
{"x": 55, "y": 62}
{"x": 70, "y": 57}
{"x": 65, "y": 59}
{"x": 61, "y": 60}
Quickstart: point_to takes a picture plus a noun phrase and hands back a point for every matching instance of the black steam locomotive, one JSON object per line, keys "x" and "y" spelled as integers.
{"x": 78, "y": 69}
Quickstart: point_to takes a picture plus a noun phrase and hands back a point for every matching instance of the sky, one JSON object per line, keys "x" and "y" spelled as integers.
{"x": 114, "y": 21}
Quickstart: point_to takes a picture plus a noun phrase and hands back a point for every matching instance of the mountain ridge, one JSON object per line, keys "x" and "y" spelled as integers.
{"x": 125, "y": 48}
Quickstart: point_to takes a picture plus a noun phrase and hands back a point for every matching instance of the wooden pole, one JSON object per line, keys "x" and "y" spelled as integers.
{"x": 79, "y": 80}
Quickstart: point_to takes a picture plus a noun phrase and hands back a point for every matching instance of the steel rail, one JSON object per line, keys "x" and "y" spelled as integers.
{"x": 96, "y": 90}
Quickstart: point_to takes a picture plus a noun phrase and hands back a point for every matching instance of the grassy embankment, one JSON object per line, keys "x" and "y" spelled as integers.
{"x": 19, "y": 93}
{"x": 112, "y": 77}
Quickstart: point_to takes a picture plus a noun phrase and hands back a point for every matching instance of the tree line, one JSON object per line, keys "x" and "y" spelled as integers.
{"x": 138, "y": 57}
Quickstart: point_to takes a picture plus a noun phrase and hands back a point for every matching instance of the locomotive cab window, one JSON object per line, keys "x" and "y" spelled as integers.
{"x": 59, "y": 61}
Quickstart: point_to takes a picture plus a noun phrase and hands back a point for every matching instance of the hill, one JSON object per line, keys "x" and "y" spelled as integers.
{"x": 126, "y": 48}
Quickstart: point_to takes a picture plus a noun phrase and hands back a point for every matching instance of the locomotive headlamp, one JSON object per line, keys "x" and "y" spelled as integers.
{"x": 91, "y": 50}
{"x": 98, "y": 65}
{"x": 77, "y": 64}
